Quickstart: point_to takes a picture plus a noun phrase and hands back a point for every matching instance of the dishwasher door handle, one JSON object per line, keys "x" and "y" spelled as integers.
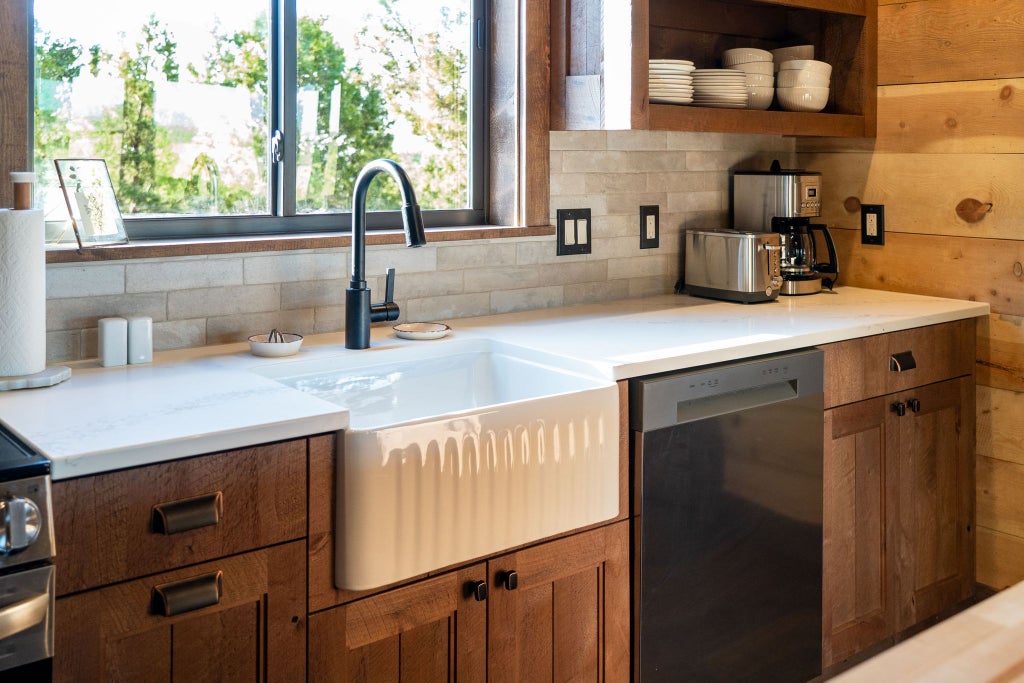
{"x": 735, "y": 401}
{"x": 668, "y": 400}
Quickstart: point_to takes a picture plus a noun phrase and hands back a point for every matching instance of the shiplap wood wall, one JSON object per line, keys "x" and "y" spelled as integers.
{"x": 950, "y": 127}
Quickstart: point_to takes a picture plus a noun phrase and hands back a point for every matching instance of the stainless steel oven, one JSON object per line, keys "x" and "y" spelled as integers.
{"x": 26, "y": 563}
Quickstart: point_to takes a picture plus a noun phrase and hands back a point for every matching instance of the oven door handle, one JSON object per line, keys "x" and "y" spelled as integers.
{"x": 21, "y": 616}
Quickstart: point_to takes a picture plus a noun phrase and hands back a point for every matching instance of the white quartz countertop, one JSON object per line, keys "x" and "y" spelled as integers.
{"x": 204, "y": 400}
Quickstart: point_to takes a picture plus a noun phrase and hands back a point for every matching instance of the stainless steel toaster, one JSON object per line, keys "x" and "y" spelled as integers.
{"x": 733, "y": 265}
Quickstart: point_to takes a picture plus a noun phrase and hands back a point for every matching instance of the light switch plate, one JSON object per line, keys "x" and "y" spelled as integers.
{"x": 572, "y": 231}
{"x": 650, "y": 227}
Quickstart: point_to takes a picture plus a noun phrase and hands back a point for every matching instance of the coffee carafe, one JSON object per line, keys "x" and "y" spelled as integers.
{"x": 802, "y": 272}
{"x": 784, "y": 201}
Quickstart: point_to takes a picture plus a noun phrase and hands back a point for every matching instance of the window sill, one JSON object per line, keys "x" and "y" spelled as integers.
{"x": 243, "y": 245}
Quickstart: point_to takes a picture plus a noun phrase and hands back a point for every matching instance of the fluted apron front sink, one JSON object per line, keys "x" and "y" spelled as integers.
{"x": 460, "y": 449}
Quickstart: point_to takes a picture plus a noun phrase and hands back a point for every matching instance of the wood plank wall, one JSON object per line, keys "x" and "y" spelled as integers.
{"x": 950, "y": 129}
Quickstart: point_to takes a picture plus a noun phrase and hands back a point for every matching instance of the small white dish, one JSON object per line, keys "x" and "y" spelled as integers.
{"x": 421, "y": 331}
{"x": 275, "y": 345}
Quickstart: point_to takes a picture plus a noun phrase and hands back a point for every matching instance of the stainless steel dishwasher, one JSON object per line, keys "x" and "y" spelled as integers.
{"x": 729, "y": 465}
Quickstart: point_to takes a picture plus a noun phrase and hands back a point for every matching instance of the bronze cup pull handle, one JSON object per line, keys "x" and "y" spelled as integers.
{"x": 902, "y": 361}
{"x": 188, "y": 514}
{"x": 171, "y": 599}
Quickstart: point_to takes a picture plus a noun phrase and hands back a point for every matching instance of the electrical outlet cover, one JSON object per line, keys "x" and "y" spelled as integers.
{"x": 872, "y": 224}
{"x": 650, "y": 227}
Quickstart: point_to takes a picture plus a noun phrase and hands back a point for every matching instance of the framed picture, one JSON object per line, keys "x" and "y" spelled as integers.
{"x": 91, "y": 202}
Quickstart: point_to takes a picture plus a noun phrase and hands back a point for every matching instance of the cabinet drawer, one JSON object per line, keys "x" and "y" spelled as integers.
{"x": 874, "y": 366}
{"x": 252, "y": 628}
{"x": 121, "y": 525}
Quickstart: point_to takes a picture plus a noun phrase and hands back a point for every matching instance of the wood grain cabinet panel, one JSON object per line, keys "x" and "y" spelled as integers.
{"x": 858, "y": 369}
{"x": 257, "y": 630}
{"x": 858, "y": 608}
{"x": 898, "y": 513}
{"x": 933, "y": 535}
{"x": 105, "y": 522}
{"x": 566, "y": 619}
{"x": 421, "y": 632}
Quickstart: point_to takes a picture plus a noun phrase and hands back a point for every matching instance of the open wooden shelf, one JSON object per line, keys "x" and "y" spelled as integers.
{"x": 600, "y": 52}
{"x": 705, "y": 119}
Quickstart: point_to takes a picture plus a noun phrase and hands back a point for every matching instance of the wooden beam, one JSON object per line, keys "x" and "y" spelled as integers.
{"x": 14, "y": 84}
{"x": 921, "y": 191}
{"x": 950, "y": 40}
{"x": 954, "y": 267}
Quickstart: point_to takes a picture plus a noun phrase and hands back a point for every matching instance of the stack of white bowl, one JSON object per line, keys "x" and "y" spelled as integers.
{"x": 803, "y": 84}
{"x": 722, "y": 88}
{"x": 670, "y": 81}
{"x": 757, "y": 66}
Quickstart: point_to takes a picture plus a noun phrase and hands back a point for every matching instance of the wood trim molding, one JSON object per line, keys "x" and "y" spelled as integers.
{"x": 14, "y": 114}
{"x": 250, "y": 245}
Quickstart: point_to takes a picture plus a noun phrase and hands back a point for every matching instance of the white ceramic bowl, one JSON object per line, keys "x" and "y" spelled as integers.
{"x": 802, "y": 99}
{"x": 783, "y": 54}
{"x": 798, "y": 78}
{"x": 764, "y": 68}
{"x": 742, "y": 55}
{"x": 807, "y": 65}
{"x": 759, "y": 97}
{"x": 760, "y": 80}
{"x": 260, "y": 344}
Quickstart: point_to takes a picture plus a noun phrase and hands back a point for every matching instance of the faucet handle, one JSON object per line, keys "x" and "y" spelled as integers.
{"x": 387, "y": 309}
{"x": 389, "y": 286}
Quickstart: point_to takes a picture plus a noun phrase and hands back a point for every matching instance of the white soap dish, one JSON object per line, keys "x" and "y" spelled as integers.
{"x": 275, "y": 345}
{"x": 421, "y": 331}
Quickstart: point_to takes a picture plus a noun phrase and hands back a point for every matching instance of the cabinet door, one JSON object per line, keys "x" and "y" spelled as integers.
{"x": 568, "y": 616}
{"x": 256, "y": 631}
{"x": 857, "y": 611}
{"x": 421, "y": 632}
{"x": 933, "y": 551}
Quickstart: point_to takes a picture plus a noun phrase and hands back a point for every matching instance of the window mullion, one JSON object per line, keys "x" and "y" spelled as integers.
{"x": 283, "y": 91}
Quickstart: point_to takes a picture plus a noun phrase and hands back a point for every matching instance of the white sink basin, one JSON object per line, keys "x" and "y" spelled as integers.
{"x": 459, "y": 449}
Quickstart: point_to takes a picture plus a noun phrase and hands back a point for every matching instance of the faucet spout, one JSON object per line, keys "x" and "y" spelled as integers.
{"x": 359, "y": 312}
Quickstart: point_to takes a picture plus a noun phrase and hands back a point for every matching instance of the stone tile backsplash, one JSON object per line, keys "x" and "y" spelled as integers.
{"x": 199, "y": 300}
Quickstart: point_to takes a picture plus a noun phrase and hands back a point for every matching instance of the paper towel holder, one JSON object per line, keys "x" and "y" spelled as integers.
{"x": 91, "y": 202}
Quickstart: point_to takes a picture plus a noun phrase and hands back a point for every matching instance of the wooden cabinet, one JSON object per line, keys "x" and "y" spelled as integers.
{"x": 555, "y": 611}
{"x": 600, "y": 50}
{"x": 189, "y": 570}
{"x": 898, "y": 485}
{"x": 255, "y": 630}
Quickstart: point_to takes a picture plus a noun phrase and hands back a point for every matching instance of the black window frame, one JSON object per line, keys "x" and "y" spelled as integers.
{"x": 281, "y": 179}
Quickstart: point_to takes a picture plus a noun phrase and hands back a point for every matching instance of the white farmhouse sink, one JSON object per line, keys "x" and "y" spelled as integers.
{"x": 458, "y": 449}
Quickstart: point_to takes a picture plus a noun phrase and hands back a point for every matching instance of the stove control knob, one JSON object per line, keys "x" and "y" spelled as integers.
{"x": 20, "y": 523}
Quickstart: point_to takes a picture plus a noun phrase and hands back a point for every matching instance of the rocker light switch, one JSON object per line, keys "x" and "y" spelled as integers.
{"x": 572, "y": 231}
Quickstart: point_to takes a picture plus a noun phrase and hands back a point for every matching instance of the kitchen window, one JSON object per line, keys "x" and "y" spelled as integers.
{"x": 247, "y": 118}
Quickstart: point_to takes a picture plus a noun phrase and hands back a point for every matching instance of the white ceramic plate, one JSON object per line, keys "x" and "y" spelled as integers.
{"x": 684, "y": 62}
{"x": 667, "y": 99}
{"x": 421, "y": 331}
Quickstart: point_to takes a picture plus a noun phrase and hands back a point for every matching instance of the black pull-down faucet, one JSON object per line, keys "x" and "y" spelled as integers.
{"x": 359, "y": 312}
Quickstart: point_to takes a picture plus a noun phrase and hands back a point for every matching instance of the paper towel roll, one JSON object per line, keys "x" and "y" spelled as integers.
{"x": 22, "y": 293}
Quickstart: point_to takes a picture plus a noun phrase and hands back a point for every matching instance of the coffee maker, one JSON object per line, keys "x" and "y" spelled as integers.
{"x": 784, "y": 201}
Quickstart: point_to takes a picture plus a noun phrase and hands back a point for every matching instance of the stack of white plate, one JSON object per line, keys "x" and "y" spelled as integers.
{"x": 722, "y": 88}
{"x": 671, "y": 81}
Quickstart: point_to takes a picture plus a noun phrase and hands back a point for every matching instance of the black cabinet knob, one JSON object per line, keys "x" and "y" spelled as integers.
{"x": 899, "y": 407}
{"x": 510, "y": 580}
{"x": 478, "y": 589}
{"x": 914, "y": 404}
